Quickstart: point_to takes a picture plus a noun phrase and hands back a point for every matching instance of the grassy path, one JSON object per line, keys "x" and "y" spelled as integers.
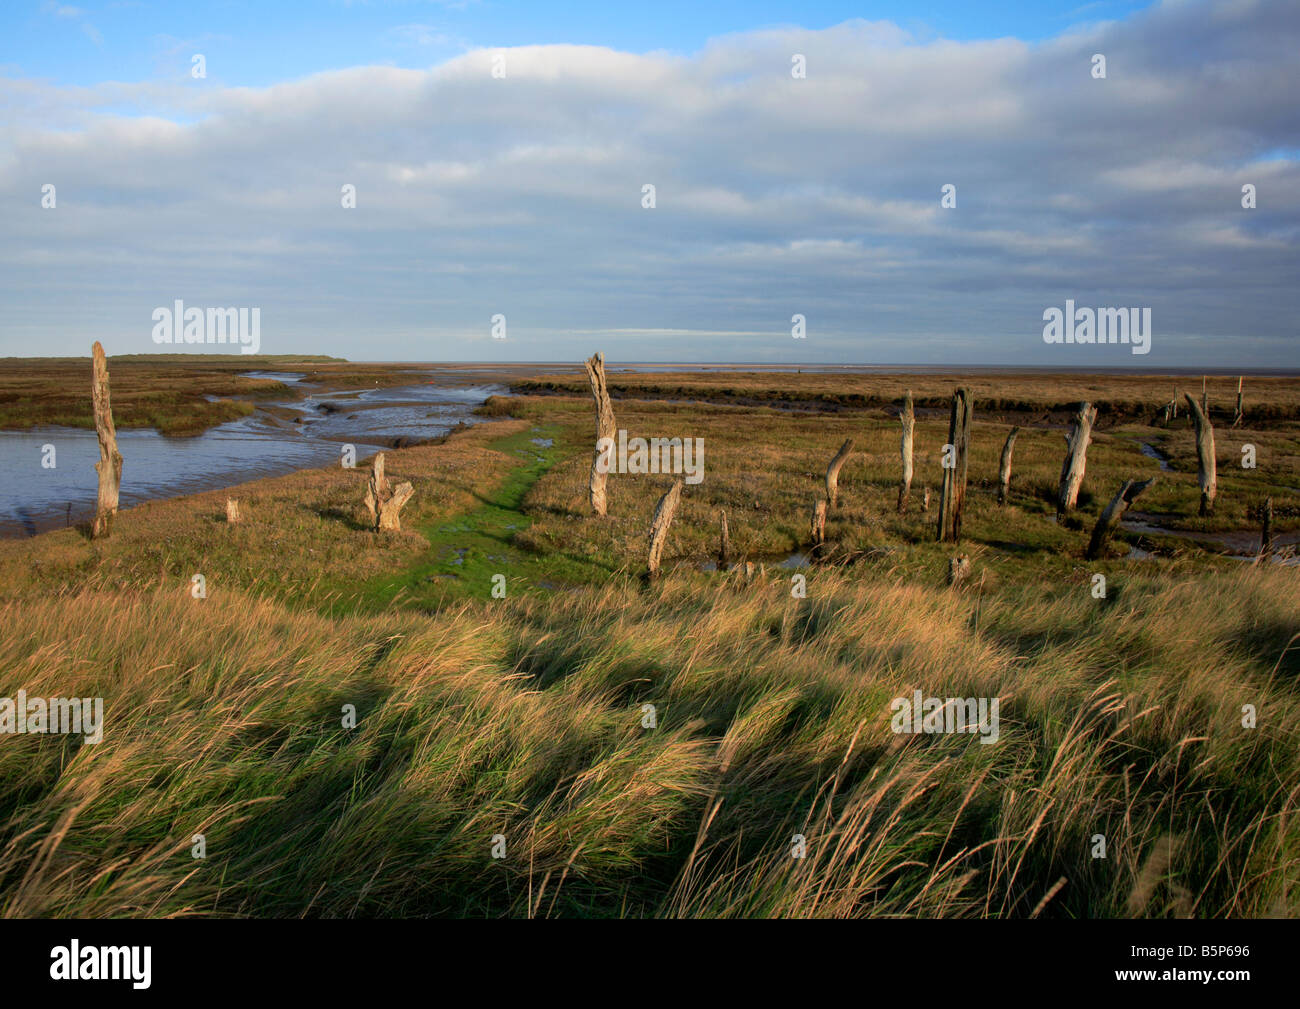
{"x": 467, "y": 551}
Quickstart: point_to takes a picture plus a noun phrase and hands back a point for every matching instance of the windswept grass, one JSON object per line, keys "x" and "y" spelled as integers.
{"x": 523, "y": 717}
{"x": 1121, "y": 718}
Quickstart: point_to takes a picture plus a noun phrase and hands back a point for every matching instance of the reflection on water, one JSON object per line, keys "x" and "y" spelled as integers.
{"x": 34, "y": 499}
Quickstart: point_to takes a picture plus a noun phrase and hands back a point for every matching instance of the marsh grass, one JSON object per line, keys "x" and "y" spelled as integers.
{"x": 523, "y": 716}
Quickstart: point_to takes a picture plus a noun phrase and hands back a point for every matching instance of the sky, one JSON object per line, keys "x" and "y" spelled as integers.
{"x": 499, "y": 155}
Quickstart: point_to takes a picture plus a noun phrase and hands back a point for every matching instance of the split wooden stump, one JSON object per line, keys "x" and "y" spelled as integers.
{"x": 1076, "y": 458}
{"x": 232, "y": 510}
{"x": 1004, "y": 466}
{"x": 1206, "y": 473}
{"x": 833, "y": 472}
{"x": 663, "y": 519}
{"x": 1112, "y": 513}
{"x": 908, "y": 418}
{"x": 109, "y": 466}
{"x": 952, "y": 496}
{"x": 383, "y": 502}
{"x": 605, "y": 432}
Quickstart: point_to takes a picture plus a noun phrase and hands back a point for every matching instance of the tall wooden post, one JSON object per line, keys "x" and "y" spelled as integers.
{"x": 605, "y": 430}
{"x": 908, "y": 417}
{"x": 952, "y": 496}
{"x": 109, "y": 466}
{"x": 1266, "y": 528}
{"x": 833, "y": 472}
{"x": 1206, "y": 471}
{"x": 1076, "y": 458}
{"x": 1240, "y": 411}
{"x": 724, "y": 545}
{"x": 1004, "y": 467}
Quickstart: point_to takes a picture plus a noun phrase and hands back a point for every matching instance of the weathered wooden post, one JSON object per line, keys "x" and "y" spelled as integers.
{"x": 1206, "y": 471}
{"x": 724, "y": 545}
{"x": 109, "y": 466}
{"x": 925, "y": 500}
{"x": 605, "y": 429}
{"x": 908, "y": 417}
{"x": 384, "y": 503}
{"x": 833, "y": 472}
{"x": 663, "y": 518}
{"x": 958, "y": 569}
{"x": 232, "y": 510}
{"x": 1240, "y": 411}
{"x": 1113, "y": 512}
{"x": 1004, "y": 467}
{"x": 817, "y": 527}
{"x": 1266, "y": 529}
{"x": 952, "y": 496}
{"x": 1076, "y": 458}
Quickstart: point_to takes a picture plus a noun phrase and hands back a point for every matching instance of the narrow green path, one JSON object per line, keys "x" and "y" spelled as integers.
{"x": 468, "y": 550}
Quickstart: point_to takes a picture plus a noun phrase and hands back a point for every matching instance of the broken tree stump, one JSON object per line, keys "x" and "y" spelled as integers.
{"x": 605, "y": 432}
{"x": 232, "y": 510}
{"x": 1238, "y": 413}
{"x": 1076, "y": 458}
{"x": 724, "y": 545}
{"x": 952, "y": 496}
{"x": 1266, "y": 529}
{"x": 384, "y": 503}
{"x": 663, "y": 518}
{"x": 1004, "y": 467}
{"x": 908, "y": 417}
{"x": 1206, "y": 472}
{"x": 958, "y": 569}
{"x": 833, "y": 471}
{"x": 817, "y": 527}
{"x": 925, "y": 500}
{"x": 109, "y": 466}
{"x": 1112, "y": 513}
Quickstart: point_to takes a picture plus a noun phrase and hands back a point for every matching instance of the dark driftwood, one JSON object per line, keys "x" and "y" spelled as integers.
{"x": 833, "y": 471}
{"x": 1004, "y": 467}
{"x": 384, "y": 503}
{"x": 1206, "y": 472}
{"x": 1266, "y": 529}
{"x": 724, "y": 545}
{"x": 1076, "y": 458}
{"x": 663, "y": 518}
{"x": 1113, "y": 512}
{"x": 952, "y": 496}
{"x": 604, "y": 430}
{"x": 109, "y": 466}
{"x": 908, "y": 417}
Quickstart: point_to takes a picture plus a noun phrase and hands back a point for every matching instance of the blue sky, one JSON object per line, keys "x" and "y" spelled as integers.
{"x": 522, "y": 195}
{"x": 256, "y": 44}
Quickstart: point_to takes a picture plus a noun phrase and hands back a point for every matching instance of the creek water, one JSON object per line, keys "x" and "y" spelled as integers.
{"x": 35, "y": 498}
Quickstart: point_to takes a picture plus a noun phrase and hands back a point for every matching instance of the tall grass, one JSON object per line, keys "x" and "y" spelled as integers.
{"x": 524, "y": 717}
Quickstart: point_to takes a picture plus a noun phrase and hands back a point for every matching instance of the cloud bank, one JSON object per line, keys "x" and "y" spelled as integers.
{"x": 522, "y": 196}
